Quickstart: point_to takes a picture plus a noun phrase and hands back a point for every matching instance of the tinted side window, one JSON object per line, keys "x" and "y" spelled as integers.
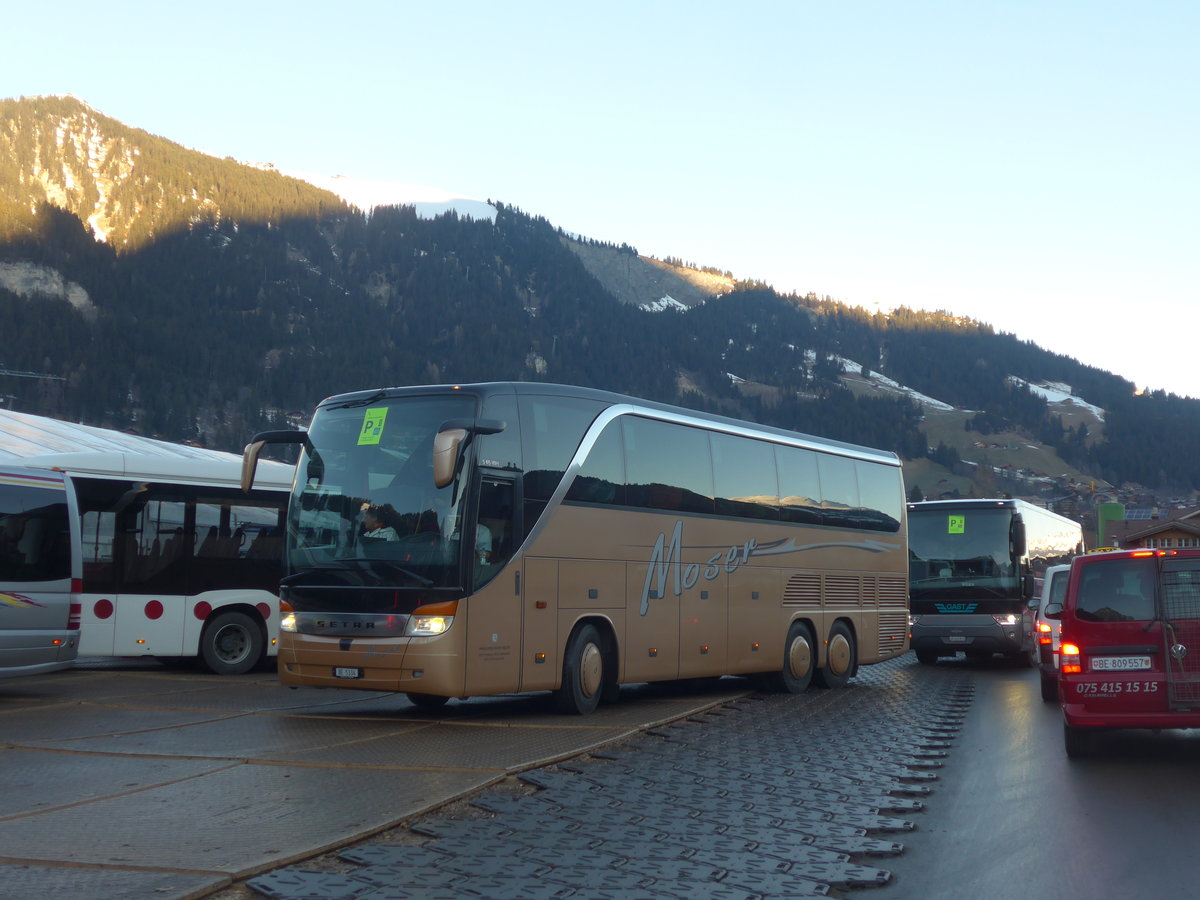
{"x": 839, "y": 490}
{"x": 35, "y": 536}
{"x": 601, "y": 478}
{"x": 551, "y": 429}
{"x": 799, "y": 485}
{"x": 744, "y": 477}
{"x": 881, "y": 495}
{"x": 668, "y": 466}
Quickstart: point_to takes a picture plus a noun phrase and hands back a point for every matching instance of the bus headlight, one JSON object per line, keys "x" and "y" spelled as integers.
{"x": 427, "y": 626}
{"x": 1007, "y": 619}
{"x": 431, "y": 619}
{"x": 287, "y": 617}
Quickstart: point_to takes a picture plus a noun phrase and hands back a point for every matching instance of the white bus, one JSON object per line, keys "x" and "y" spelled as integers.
{"x": 458, "y": 540}
{"x": 158, "y": 553}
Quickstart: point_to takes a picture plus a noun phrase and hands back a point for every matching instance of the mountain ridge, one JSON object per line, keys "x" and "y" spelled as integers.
{"x": 234, "y": 299}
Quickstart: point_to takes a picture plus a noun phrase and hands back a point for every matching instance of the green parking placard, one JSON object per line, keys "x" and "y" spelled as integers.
{"x": 954, "y": 524}
{"x": 372, "y": 426}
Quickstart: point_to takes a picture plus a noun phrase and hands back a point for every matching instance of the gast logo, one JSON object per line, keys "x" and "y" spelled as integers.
{"x": 956, "y": 607}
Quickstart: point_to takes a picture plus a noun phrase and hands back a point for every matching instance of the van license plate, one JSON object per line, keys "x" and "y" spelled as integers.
{"x": 346, "y": 672}
{"x": 1120, "y": 663}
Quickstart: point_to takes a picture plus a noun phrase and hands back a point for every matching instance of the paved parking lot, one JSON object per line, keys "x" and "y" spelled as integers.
{"x": 144, "y": 782}
{"x": 766, "y": 796}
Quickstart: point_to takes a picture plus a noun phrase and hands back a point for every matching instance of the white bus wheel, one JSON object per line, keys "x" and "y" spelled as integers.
{"x": 840, "y": 655}
{"x": 583, "y": 673}
{"x": 231, "y": 644}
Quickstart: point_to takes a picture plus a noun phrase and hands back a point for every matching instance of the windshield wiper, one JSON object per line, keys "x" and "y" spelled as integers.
{"x": 362, "y": 401}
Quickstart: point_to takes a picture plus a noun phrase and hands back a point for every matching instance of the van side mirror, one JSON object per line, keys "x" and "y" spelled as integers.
{"x": 1053, "y": 610}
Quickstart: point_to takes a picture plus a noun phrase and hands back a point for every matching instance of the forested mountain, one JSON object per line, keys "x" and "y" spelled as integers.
{"x": 147, "y": 286}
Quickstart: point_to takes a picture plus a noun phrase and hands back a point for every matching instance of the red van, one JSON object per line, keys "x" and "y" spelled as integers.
{"x": 1130, "y": 646}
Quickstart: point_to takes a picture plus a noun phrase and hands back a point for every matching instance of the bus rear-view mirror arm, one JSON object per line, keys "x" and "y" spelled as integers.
{"x": 450, "y": 440}
{"x": 255, "y": 447}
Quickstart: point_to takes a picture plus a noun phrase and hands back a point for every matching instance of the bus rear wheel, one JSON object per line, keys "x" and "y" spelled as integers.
{"x": 231, "y": 644}
{"x": 840, "y": 657}
{"x": 583, "y": 673}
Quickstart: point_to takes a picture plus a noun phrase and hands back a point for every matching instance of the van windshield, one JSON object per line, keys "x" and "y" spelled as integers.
{"x": 1117, "y": 590}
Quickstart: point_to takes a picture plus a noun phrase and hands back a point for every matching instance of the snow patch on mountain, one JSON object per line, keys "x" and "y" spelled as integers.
{"x": 1055, "y": 392}
{"x": 367, "y": 194}
{"x": 664, "y": 303}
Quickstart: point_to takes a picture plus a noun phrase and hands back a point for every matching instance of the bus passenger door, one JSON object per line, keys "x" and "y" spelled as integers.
{"x": 150, "y": 605}
{"x": 493, "y": 641}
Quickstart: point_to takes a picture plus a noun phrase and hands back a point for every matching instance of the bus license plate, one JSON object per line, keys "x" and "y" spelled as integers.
{"x": 1120, "y": 663}
{"x": 346, "y": 672}
{"x": 958, "y": 639}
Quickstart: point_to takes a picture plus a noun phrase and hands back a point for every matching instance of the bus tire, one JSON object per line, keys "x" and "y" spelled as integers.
{"x": 232, "y": 643}
{"x": 583, "y": 673}
{"x": 426, "y": 701}
{"x": 799, "y": 662}
{"x": 840, "y": 655}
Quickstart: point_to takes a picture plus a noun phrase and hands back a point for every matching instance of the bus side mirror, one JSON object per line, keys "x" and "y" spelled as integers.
{"x": 1029, "y": 585}
{"x": 1017, "y": 537}
{"x": 251, "y": 453}
{"x": 448, "y": 443}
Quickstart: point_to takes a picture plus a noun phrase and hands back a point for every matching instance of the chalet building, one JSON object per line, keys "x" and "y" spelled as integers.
{"x": 1155, "y": 531}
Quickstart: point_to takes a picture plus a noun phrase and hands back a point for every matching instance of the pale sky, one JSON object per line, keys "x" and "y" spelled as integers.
{"x": 1030, "y": 164}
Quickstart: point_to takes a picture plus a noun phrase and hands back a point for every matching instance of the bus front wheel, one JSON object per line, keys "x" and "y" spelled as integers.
{"x": 799, "y": 662}
{"x": 583, "y": 673}
{"x": 426, "y": 701}
{"x": 840, "y": 656}
{"x": 232, "y": 644}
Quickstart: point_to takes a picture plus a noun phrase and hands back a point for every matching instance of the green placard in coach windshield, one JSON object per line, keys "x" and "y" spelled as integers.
{"x": 372, "y": 426}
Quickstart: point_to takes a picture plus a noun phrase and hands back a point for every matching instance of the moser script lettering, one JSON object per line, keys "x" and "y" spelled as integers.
{"x": 666, "y": 560}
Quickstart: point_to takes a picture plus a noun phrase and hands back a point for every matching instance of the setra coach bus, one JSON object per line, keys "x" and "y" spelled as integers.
{"x": 972, "y": 570}
{"x": 477, "y": 539}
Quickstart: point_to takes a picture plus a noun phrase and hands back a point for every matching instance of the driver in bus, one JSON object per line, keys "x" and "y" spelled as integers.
{"x": 375, "y": 524}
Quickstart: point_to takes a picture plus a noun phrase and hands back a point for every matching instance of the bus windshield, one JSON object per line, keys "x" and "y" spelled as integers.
{"x": 365, "y": 511}
{"x": 965, "y": 552}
